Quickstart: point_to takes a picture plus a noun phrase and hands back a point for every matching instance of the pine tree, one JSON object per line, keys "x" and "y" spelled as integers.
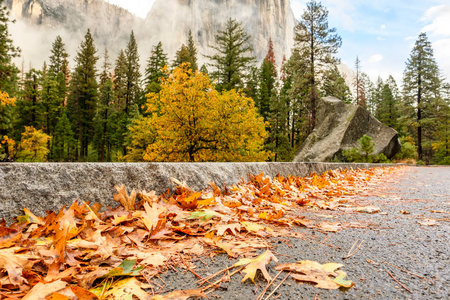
{"x": 133, "y": 75}
{"x": 29, "y": 106}
{"x": 193, "y": 51}
{"x": 8, "y": 74}
{"x": 103, "y": 131}
{"x": 231, "y": 61}
{"x": 120, "y": 82}
{"x": 187, "y": 54}
{"x": 334, "y": 85}
{"x": 421, "y": 86}
{"x": 360, "y": 84}
{"x": 316, "y": 43}
{"x": 63, "y": 140}
{"x": 84, "y": 94}
{"x": 387, "y": 108}
{"x": 154, "y": 70}
{"x": 59, "y": 58}
{"x": 267, "y": 83}
{"x": 59, "y": 69}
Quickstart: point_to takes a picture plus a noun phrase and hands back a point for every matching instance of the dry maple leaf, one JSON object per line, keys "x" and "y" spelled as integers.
{"x": 180, "y": 295}
{"x": 259, "y": 263}
{"x": 128, "y": 202}
{"x": 323, "y": 276}
{"x": 41, "y": 290}
{"x": 14, "y": 264}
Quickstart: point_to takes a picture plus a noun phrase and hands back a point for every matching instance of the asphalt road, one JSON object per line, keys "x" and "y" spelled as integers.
{"x": 390, "y": 238}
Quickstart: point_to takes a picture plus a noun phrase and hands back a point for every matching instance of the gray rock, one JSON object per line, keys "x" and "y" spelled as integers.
{"x": 43, "y": 187}
{"x": 339, "y": 127}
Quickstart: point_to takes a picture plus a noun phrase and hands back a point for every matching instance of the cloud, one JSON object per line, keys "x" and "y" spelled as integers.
{"x": 376, "y": 58}
{"x": 438, "y": 30}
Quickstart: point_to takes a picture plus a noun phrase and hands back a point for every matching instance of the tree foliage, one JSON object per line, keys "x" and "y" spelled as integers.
{"x": 194, "y": 122}
{"x": 233, "y": 57}
{"x": 315, "y": 42}
{"x": 34, "y": 145}
{"x": 421, "y": 85}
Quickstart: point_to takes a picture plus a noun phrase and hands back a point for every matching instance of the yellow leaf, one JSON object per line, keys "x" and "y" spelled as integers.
{"x": 259, "y": 263}
{"x": 41, "y": 290}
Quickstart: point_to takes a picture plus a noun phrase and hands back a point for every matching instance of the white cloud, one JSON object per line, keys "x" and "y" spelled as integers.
{"x": 439, "y": 32}
{"x": 376, "y": 58}
{"x": 383, "y": 26}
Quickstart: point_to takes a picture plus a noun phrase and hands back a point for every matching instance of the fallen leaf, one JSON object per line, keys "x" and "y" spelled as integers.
{"x": 124, "y": 269}
{"x": 204, "y": 215}
{"x": 323, "y": 276}
{"x": 330, "y": 227}
{"x": 253, "y": 265}
{"x": 83, "y": 294}
{"x": 368, "y": 209}
{"x": 14, "y": 264}
{"x": 232, "y": 228}
{"x": 404, "y": 212}
{"x": 128, "y": 202}
{"x": 41, "y": 290}
{"x": 126, "y": 289}
{"x": 180, "y": 295}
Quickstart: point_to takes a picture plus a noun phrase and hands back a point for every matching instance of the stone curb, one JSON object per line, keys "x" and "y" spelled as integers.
{"x": 43, "y": 187}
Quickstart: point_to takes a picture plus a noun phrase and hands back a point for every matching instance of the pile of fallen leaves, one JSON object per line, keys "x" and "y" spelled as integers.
{"x": 83, "y": 252}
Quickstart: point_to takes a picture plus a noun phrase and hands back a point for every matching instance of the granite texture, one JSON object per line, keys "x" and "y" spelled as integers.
{"x": 42, "y": 187}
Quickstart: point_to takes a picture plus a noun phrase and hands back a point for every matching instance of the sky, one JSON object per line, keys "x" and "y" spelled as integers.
{"x": 381, "y": 33}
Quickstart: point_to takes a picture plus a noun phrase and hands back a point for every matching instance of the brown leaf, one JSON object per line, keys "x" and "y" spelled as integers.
{"x": 259, "y": 263}
{"x": 324, "y": 276}
{"x": 180, "y": 295}
{"x": 14, "y": 264}
{"x": 8, "y": 237}
{"x": 427, "y": 222}
{"x": 128, "y": 202}
{"x": 83, "y": 294}
{"x": 41, "y": 290}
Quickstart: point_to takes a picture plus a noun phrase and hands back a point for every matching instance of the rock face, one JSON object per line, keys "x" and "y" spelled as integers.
{"x": 339, "y": 127}
{"x": 171, "y": 20}
{"x": 42, "y": 187}
{"x": 168, "y": 21}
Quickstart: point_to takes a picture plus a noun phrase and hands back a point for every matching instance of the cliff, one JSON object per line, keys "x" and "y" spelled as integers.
{"x": 168, "y": 21}
{"x": 171, "y": 20}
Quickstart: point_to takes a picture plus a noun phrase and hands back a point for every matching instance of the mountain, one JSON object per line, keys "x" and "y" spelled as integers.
{"x": 40, "y": 21}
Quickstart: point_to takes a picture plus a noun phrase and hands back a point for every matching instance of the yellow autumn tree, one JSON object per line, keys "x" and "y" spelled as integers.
{"x": 34, "y": 145}
{"x": 192, "y": 122}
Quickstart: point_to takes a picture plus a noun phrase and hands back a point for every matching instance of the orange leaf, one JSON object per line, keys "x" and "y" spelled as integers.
{"x": 83, "y": 294}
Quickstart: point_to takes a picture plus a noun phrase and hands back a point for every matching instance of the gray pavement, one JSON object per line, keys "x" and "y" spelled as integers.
{"x": 390, "y": 238}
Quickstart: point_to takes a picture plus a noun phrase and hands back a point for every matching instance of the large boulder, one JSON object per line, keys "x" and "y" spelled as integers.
{"x": 339, "y": 126}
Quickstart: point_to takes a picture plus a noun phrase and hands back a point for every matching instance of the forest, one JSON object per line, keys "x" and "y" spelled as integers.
{"x": 232, "y": 108}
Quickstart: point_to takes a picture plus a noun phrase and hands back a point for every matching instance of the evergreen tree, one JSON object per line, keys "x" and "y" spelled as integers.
{"x": 154, "y": 70}
{"x": 133, "y": 75}
{"x": 316, "y": 43}
{"x": 421, "y": 86}
{"x": 360, "y": 84}
{"x": 120, "y": 82}
{"x": 8, "y": 73}
{"x": 193, "y": 52}
{"x": 387, "y": 108}
{"x": 187, "y": 54}
{"x": 29, "y": 106}
{"x": 334, "y": 85}
{"x": 231, "y": 61}
{"x": 268, "y": 82}
{"x": 84, "y": 94}
{"x": 59, "y": 69}
{"x": 59, "y": 58}
{"x": 63, "y": 140}
{"x": 103, "y": 131}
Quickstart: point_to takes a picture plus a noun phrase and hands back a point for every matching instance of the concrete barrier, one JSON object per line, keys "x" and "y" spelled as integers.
{"x": 42, "y": 187}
